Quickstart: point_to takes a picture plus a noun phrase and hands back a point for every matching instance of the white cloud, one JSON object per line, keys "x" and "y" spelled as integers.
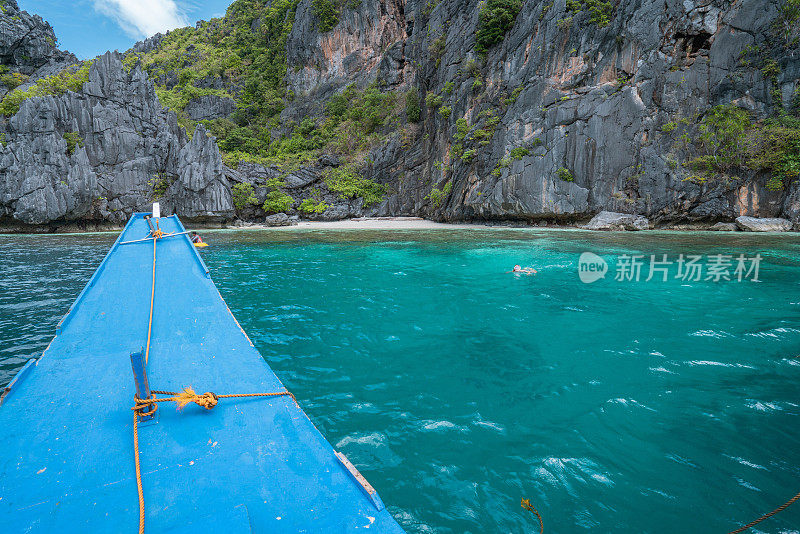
{"x": 143, "y": 18}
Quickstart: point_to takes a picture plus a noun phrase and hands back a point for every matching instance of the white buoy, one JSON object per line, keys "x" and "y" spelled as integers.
{"x": 156, "y": 210}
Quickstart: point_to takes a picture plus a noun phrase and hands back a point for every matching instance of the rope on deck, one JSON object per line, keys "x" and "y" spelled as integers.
{"x": 171, "y": 234}
{"x": 138, "y": 471}
{"x": 207, "y": 400}
{"x": 156, "y": 234}
{"x": 147, "y": 407}
{"x": 780, "y": 508}
{"x": 152, "y": 299}
{"x": 528, "y": 506}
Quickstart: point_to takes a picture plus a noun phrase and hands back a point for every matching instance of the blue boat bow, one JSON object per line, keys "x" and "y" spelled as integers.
{"x": 249, "y": 465}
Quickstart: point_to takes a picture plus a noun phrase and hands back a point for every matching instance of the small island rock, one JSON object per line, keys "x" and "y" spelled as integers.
{"x": 756, "y": 224}
{"x": 609, "y": 220}
{"x": 279, "y": 219}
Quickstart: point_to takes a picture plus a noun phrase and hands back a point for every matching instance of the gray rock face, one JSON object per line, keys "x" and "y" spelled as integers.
{"x": 201, "y": 191}
{"x": 525, "y": 194}
{"x": 578, "y": 97}
{"x": 363, "y": 43}
{"x": 565, "y": 118}
{"x": 724, "y": 227}
{"x": 754, "y": 224}
{"x": 607, "y": 220}
{"x": 210, "y": 107}
{"x": 596, "y": 98}
{"x": 28, "y": 45}
{"x": 26, "y": 41}
{"x": 132, "y": 152}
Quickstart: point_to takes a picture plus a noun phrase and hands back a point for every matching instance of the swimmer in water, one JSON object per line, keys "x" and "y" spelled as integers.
{"x": 522, "y": 270}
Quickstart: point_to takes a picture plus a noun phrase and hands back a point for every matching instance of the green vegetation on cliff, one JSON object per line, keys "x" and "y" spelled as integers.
{"x": 327, "y": 14}
{"x": 565, "y": 174}
{"x": 413, "y": 109}
{"x": 311, "y": 206}
{"x": 69, "y": 79}
{"x": 242, "y": 56}
{"x": 277, "y": 200}
{"x": 74, "y": 140}
{"x": 437, "y": 196}
{"x": 600, "y": 11}
{"x": 246, "y": 50}
{"x": 729, "y": 141}
{"x": 496, "y": 18}
{"x": 11, "y": 80}
{"x": 243, "y": 195}
{"x": 352, "y": 124}
{"x": 348, "y": 184}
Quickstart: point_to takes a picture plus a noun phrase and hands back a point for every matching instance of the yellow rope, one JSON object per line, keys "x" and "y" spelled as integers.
{"x": 158, "y": 233}
{"x": 528, "y": 506}
{"x": 152, "y": 299}
{"x": 780, "y": 508}
{"x": 138, "y": 471}
{"x": 207, "y": 400}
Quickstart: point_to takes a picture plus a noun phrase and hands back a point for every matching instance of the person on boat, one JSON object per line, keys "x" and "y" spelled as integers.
{"x": 195, "y": 237}
{"x": 522, "y": 270}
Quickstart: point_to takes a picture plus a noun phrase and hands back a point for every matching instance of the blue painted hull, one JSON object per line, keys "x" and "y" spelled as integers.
{"x": 249, "y": 465}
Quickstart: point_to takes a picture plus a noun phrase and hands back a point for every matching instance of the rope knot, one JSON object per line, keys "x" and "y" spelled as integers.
{"x": 207, "y": 400}
{"x": 158, "y": 233}
{"x": 140, "y": 406}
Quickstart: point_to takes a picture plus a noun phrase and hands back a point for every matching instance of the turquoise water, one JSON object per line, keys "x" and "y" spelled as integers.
{"x": 458, "y": 389}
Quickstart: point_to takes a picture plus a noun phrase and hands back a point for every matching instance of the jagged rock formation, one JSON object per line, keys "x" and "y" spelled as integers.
{"x": 28, "y": 45}
{"x": 580, "y": 107}
{"x": 126, "y": 151}
{"x": 201, "y": 191}
{"x": 596, "y": 99}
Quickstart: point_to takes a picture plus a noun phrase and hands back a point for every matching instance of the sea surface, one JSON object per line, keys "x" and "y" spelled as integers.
{"x": 458, "y": 389}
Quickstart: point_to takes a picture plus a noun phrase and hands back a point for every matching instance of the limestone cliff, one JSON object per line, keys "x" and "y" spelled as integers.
{"x": 27, "y": 47}
{"x": 542, "y": 109}
{"x": 592, "y": 100}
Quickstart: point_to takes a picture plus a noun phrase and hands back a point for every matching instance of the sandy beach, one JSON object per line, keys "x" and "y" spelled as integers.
{"x": 379, "y": 223}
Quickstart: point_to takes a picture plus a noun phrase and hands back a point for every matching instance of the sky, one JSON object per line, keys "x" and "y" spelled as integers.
{"x": 88, "y": 28}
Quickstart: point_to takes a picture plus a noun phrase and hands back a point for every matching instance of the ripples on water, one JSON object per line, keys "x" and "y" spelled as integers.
{"x": 458, "y": 389}
{"x": 40, "y": 276}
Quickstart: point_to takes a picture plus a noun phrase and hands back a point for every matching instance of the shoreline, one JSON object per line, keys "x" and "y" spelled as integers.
{"x": 370, "y": 223}
{"x": 378, "y": 223}
{"x": 420, "y": 223}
